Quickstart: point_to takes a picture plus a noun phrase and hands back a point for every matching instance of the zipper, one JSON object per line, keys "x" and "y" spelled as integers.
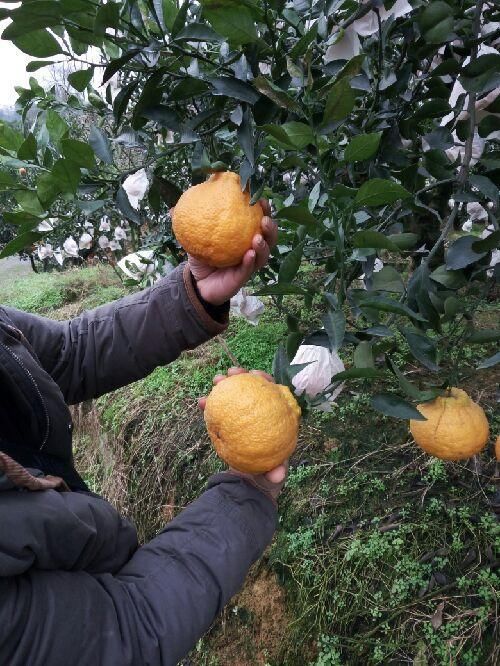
{"x": 35, "y": 385}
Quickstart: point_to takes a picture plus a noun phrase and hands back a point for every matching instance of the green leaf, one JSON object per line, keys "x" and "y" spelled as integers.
{"x": 303, "y": 43}
{"x": 231, "y": 87}
{"x": 99, "y": 143}
{"x": 491, "y": 242}
{"x": 6, "y": 181}
{"x": 79, "y": 153}
{"x": 482, "y": 75}
{"x": 67, "y": 175}
{"x": 19, "y": 243}
{"x": 436, "y": 23}
{"x": 392, "y": 405}
{"x": 432, "y": 108}
{"x": 115, "y": 65}
{"x": 340, "y": 102}
{"x": 80, "y": 79}
{"x": 27, "y": 150}
{"x": 169, "y": 13}
{"x": 489, "y": 124}
{"x": 449, "y": 279}
{"x": 358, "y": 373}
{"x": 10, "y": 139}
{"x": 39, "y": 43}
{"x": 334, "y": 323}
{"x": 379, "y": 192}
{"x": 56, "y": 126}
{"x": 280, "y": 97}
{"x": 125, "y": 207}
{"x": 290, "y": 264}
{"x": 29, "y": 202}
{"x": 35, "y": 65}
{"x": 373, "y": 239}
{"x": 362, "y": 147}
{"x": 485, "y": 186}
{"x": 483, "y": 336}
{"x": 180, "y": 18}
{"x": 388, "y": 279}
{"x": 490, "y": 361}
{"x": 298, "y": 134}
{"x": 297, "y": 214}
{"x": 231, "y": 20}
{"x": 388, "y": 305}
{"x": 460, "y": 254}
{"x": 22, "y": 218}
{"x": 198, "y": 32}
{"x": 404, "y": 241}
{"x": 410, "y": 389}
{"x": 363, "y": 355}
{"x": 281, "y": 290}
{"x": 278, "y": 133}
{"x": 422, "y": 348}
{"x": 47, "y": 189}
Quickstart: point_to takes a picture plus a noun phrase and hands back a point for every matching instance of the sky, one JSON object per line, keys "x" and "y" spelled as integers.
{"x": 13, "y": 70}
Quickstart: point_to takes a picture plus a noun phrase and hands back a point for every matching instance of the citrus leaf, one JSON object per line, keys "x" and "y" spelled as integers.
{"x": 422, "y": 348}
{"x": 20, "y": 243}
{"x": 388, "y": 305}
{"x": 373, "y": 239}
{"x": 39, "y": 43}
{"x": 100, "y": 144}
{"x": 80, "y": 80}
{"x": 78, "y": 152}
{"x": 362, "y": 147}
{"x": 489, "y": 362}
{"x": 392, "y": 405}
{"x": 334, "y": 323}
{"x": 379, "y": 192}
{"x": 358, "y": 373}
{"x": 291, "y": 264}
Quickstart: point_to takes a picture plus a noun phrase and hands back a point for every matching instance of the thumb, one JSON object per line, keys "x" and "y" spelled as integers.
{"x": 243, "y": 272}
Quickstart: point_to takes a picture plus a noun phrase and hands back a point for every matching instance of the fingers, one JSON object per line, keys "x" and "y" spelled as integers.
{"x": 243, "y": 271}
{"x": 230, "y": 373}
{"x": 269, "y": 231}
{"x": 202, "y": 403}
{"x": 266, "y": 375}
{"x": 278, "y": 474}
{"x": 266, "y": 206}
{"x": 261, "y": 251}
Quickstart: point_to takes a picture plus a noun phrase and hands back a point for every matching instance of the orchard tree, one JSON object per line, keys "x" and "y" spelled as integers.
{"x": 373, "y": 127}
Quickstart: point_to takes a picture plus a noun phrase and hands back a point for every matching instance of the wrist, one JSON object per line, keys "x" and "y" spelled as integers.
{"x": 217, "y": 310}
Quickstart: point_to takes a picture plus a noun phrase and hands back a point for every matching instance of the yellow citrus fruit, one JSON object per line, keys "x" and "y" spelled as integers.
{"x": 456, "y": 426}
{"x": 253, "y": 423}
{"x": 215, "y": 222}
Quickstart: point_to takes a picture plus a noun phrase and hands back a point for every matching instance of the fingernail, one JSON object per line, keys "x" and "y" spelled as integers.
{"x": 260, "y": 241}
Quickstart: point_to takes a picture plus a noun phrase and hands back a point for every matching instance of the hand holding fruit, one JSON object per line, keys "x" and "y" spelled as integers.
{"x": 225, "y": 237}
{"x": 258, "y": 447}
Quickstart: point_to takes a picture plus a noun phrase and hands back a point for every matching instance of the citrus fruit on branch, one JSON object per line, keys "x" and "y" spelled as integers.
{"x": 214, "y": 221}
{"x": 253, "y": 423}
{"x": 456, "y": 427}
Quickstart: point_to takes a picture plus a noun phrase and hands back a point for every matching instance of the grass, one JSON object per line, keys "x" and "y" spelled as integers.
{"x": 383, "y": 555}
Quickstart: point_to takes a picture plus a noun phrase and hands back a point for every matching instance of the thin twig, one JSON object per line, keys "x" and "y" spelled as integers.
{"x": 229, "y": 353}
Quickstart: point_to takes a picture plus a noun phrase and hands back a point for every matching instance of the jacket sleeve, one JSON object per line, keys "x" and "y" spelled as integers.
{"x": 120, "y": 342}
{"x": 157, "y": 606}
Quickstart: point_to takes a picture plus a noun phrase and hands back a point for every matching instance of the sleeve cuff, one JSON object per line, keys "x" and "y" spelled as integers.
{"x": 214, "y": 318}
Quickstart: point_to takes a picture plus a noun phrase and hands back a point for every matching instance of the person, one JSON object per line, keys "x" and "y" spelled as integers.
{"x": 75, "y": 587}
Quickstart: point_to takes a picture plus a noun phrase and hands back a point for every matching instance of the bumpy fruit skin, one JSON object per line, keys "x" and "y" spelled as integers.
{"x": 497, "y": 448}
{"x": 253, "y": 423}
{"x": 456, "y": 426}
{"x": 214, "y": 221}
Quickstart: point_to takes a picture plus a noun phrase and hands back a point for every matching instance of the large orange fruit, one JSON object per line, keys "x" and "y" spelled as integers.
{"x": 456, "y": 426}
{"x": 253, "y": 423}
{"x": 215, "y": 222}
{"x": 497, "y": 448}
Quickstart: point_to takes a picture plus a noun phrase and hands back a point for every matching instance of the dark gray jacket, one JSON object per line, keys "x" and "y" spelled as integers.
{"x": 75, "y": 588}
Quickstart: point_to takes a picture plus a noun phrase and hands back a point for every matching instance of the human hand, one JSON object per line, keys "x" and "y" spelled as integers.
{"x": 271, "y": 483}
{"x": 217, "y": 285}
